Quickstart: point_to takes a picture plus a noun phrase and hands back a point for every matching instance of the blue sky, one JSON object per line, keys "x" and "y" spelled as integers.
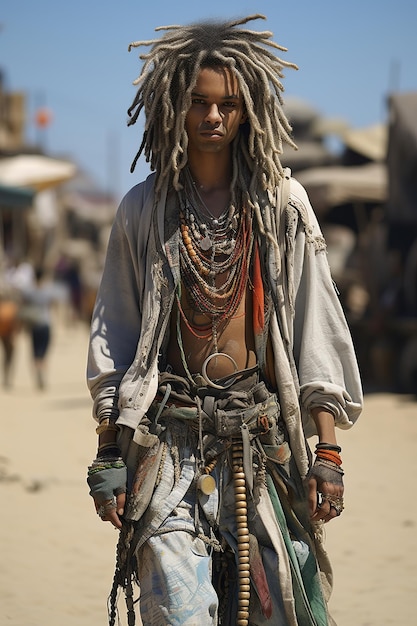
{"x": 72, "y": 57}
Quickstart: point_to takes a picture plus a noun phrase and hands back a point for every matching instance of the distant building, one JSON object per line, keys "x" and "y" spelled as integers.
{"x": 12, "y": 119}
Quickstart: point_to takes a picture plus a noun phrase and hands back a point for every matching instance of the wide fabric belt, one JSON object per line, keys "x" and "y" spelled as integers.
{"x": 226, "y": 423}
{"x": 222, "y": 413}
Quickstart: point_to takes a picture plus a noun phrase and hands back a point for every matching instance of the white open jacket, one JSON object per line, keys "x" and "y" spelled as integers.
{"x": 315, "y": 363}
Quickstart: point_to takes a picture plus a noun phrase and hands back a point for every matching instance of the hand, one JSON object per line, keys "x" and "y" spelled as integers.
{"x": 325, "y": 480}
{"x": 111, "y": 510}
{"x": 325, "y": 487}
{"x": 107, "y": 480}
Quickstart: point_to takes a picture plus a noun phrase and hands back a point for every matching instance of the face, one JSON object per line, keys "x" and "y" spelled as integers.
{"x": 216, "y": 112}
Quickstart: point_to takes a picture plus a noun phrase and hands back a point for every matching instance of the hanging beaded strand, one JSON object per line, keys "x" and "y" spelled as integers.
{"x": 211, "y": 246}
{"x": 241, "y": 516}
{"x": 218, "y": 232}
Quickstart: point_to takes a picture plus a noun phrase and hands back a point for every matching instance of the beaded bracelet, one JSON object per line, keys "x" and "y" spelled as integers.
{"x": 99, "y": 465}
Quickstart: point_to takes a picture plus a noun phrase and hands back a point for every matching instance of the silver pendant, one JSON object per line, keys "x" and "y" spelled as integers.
{"x": 205, "y": 243}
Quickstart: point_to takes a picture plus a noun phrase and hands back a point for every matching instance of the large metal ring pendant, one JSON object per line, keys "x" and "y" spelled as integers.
{"x": 209, "y": 382}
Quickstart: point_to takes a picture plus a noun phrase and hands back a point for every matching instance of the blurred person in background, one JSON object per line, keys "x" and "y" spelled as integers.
{"x": 36, "y": 315}
{"x": 9, "y": 326}
{"x": 15, "y": 278}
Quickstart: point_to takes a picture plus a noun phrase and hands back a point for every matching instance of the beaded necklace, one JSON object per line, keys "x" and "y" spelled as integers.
{"x": 210, "y": 246}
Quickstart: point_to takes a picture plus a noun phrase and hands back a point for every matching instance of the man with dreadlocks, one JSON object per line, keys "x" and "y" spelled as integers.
{"x": 218, "y": 347}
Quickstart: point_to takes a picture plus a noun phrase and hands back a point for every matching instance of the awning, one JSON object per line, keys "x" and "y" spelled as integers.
{"x": 309, "y": 154}
{"x": 15, "y": 197}
{"x": 370, "y": 142}
{"x": 35, "y": 170}
{"x": 333, "y": 186}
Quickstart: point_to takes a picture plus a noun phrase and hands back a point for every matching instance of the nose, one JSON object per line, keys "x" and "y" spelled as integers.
{"x": 213, "y": 115}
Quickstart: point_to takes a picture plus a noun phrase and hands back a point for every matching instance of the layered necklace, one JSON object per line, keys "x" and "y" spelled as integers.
{"x": 212, "y": 246}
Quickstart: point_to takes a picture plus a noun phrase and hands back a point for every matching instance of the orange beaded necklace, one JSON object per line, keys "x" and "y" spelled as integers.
{"x": 210, "y": 247}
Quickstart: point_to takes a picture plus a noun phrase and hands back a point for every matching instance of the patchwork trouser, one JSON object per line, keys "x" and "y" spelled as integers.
{"x": 179, "y": 530}
{"x": 174, "y": 564}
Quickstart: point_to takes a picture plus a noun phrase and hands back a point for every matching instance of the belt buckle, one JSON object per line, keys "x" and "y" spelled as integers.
{"x": 263, "y": 423}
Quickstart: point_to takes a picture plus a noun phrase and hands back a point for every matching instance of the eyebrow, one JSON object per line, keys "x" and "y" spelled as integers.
{"x": 202, "y": 95}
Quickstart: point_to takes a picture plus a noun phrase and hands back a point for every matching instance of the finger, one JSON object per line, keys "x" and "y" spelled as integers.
{"x": 333, "y": 505}
{"x": 108, "y": 513}
{"x": 120, "y": 503}
{"x": 331, "y": 515}
{"x": 114, "y": 518}
{"x": 322, "y": 511}
{"x": 312, "y": 496}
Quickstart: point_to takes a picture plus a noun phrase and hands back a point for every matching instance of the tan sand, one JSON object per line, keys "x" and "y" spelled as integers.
{"x": 57, "y": 557}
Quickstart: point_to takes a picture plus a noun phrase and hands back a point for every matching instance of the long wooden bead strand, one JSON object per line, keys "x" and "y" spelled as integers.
{"x": 241, "y": 513}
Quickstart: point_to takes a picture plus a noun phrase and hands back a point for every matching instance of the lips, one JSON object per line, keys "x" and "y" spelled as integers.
{"x": 211, "y": 133}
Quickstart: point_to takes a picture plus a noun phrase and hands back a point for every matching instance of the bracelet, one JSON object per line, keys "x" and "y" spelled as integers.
{"x": 98, "y": 465}
{"x": 329, "y": 455}
{"x": 330, "y": 465}
{"x": 106, "y": 426}
{"x": 108, "y": 449}
{"x": 328, "y": 446}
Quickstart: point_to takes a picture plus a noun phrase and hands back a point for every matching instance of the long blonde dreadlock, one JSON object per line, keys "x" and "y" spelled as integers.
{"x": 168, "y": 76}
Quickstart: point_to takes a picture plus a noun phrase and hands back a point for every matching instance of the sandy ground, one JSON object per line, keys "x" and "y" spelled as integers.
{"x": 57, "y": 558}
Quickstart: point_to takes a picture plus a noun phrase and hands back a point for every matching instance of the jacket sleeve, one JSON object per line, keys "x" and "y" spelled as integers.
{"x": 117, "y": 316}
{"x": 323, "y": 348}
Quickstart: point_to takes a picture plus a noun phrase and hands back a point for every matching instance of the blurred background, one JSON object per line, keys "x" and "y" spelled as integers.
{"x": 65, "y": 152}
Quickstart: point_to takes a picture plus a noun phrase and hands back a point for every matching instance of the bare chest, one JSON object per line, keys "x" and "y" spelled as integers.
{"x": 230, "y": 340}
